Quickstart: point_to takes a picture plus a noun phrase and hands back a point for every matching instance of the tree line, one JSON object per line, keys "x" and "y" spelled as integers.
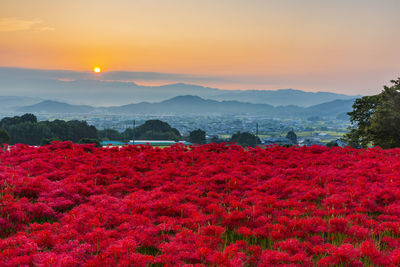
{"x": 159, "y": 130}
{"x": 28, "y": 130}
{"x": 150, "y": 130}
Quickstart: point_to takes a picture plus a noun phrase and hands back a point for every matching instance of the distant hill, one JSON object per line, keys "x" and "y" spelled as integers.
{"x": 282, "y": 97}
{"x": 83, "y": 88}
{"x": 49, "y": 106}
{"x": 194, "y": 105}
{"x": 332, "y": 107}
{"x": 8, "y": 103}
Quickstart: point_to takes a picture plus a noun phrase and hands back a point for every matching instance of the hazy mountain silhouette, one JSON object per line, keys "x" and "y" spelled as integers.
{"x": 332, "y": 107}
{"x": 194, "y": 105}
{"x": 282, "y": 97}
{"x": 12, "y": 102}
{"x": 85, "y": 88}
{"x": 49, "y": 106}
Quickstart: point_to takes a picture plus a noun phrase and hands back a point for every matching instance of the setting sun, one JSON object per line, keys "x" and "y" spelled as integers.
{"x": 97, "y": 70}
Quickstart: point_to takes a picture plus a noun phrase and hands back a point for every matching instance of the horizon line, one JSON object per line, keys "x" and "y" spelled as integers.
{"x": 152, "y": 81}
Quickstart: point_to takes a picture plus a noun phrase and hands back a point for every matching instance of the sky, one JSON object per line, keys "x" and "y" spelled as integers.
{"x": 343, "y": 46}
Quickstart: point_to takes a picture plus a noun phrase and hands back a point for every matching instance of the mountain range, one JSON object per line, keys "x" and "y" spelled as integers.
{"x": 84, "y": 88}
{"x": 194, "y": 105}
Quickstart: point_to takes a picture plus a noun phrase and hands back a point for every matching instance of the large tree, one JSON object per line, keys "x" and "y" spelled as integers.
{"x": 376, "y": 119}
{"x": 197, "y": 137}
{"x": 245, "y": 139}
{"x": 292, "y": 136}
{"x": 156, "y": 130}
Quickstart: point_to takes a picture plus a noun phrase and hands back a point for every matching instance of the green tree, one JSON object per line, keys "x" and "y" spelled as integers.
{"x": 28, "y": 133}
{"x": 28, "y": 117}
{"x": 80, "y": 129}
{"x": 156, "y": 130}
{"x": 58, "y": 129}
{"x": 197, "y": 137}
{"x": 360, "y": 118}
{"x": 245, "y": 139}
{"x": 110, "y": 134}
{"x": 332, "y": 144}
{"x": 27, "y": 130}
{"x": 291, "y": 135}
{"x": 376, "y": 119}
{"x": 4, "y": 137}
{"x": 7, "y": 121}
{"x": 128, "y": 135}
{"x": 90, "y": 141}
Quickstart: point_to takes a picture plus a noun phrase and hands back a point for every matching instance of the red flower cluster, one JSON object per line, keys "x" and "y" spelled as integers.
{"x": 74, "y": 205}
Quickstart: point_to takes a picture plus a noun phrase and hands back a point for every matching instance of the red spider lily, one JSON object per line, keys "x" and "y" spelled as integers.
{"x": 211, "y": 205}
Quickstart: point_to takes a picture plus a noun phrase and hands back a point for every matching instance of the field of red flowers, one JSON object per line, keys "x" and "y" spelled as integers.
{"x": 211, "y": 205}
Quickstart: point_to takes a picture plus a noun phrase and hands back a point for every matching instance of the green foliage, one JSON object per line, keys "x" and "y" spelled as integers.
{"x": 292, "y": 137}
{"x": 385, "y": 123}
{"x": 150, "y": 130}
{"x": 109, "y": 134}
{"x": 7, "y": 121}
{"x": 150, "y": 250}
{"x": 245, "y": 139}
{"x": 59, "y": 128}
{"x": 80, "y": 129}
{"x": 156, "y": 130}
{"x": 197, "y": 137}
{"x": 332, "y": 144}
{"x": 27, "y": 130}
{"x": 90, "y": 141}
{"x": 286, "y": 145}
{"x": 28, "y": 133}
{"x": 127, "y": 135}
{"x": 360, "y": 117}
{"x": 28, "y": 117}
{"x": 376, "y": 119}
{"x": 231, "y": 237}
{"x": 4, "y": 136}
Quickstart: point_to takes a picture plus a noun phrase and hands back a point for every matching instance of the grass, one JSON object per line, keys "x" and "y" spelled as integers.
{"x": 231, "y": 237}
{"x": 152, "y": 251}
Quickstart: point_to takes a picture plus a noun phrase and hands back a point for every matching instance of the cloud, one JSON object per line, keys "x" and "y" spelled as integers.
{"x": 349, "y": 83}
{"x": 112, "y": 76}
{"x": 18, "y": 24}
{"x": 157, "y": 76}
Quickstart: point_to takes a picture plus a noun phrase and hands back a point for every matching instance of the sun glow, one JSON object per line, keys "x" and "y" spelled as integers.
{"x": 97, "y": 69}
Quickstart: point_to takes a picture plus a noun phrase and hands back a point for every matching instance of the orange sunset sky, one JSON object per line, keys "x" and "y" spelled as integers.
{"x": 345, "y": 46}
